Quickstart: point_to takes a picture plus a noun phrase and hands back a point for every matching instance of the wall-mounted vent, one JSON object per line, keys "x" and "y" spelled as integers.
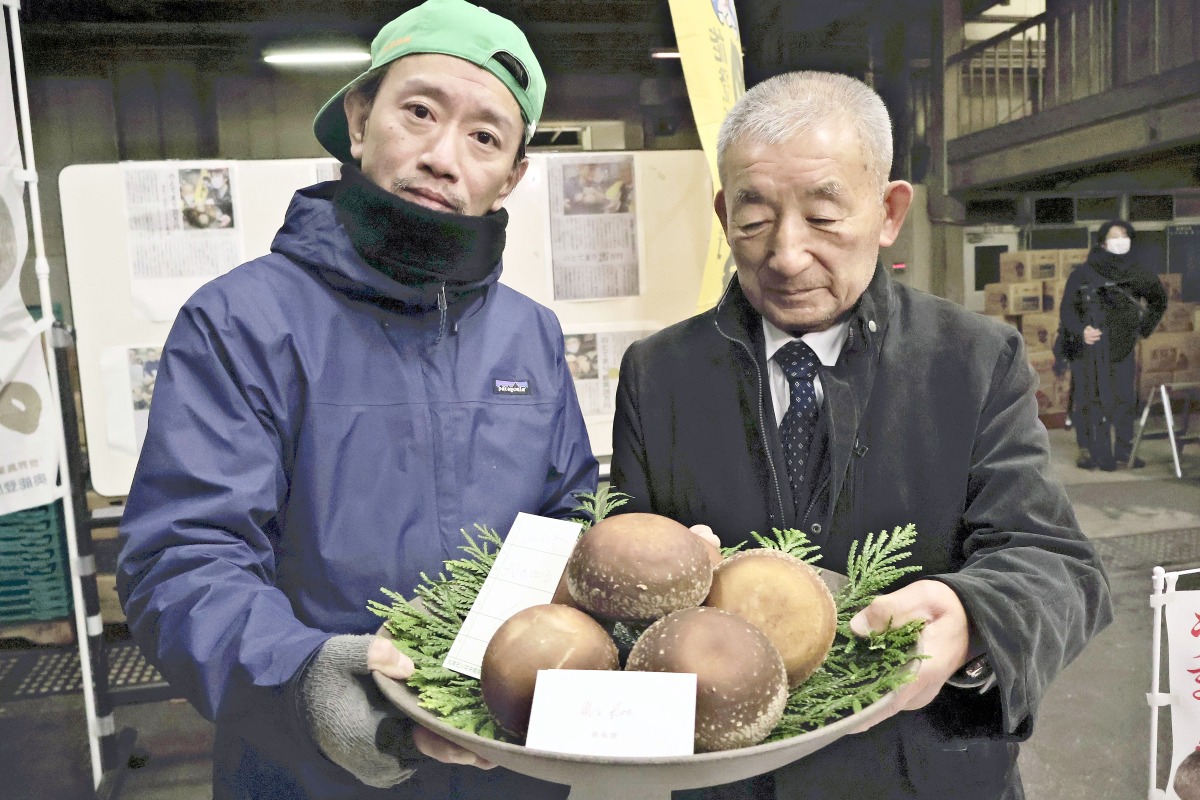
{"x": 587, "y": 135}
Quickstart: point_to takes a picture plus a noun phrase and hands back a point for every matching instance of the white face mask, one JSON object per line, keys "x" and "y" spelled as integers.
{"x": 1118, "y": 246}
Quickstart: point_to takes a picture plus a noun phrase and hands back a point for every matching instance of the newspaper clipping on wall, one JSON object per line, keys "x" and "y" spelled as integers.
{"x": 129, "y": 375}
{"x": 594, "y": 359}
{"x": 183, "y": 231}
{"x": 593, "y": 228}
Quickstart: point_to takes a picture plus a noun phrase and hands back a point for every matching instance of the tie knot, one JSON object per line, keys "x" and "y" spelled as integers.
{"x": 797, "y": 360}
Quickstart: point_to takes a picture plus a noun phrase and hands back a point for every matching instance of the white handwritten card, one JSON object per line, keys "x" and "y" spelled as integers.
{"x": 525, "y": 574}
{"x": 603, "y": 713}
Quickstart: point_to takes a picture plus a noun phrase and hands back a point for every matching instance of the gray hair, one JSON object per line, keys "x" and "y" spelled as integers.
{"x": 787, "y": 105}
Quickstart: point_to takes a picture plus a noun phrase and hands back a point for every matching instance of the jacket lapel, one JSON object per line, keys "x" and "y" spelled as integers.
{"x": 848, "y": 383}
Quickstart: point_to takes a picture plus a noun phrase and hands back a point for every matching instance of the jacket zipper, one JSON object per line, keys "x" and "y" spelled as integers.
{"x": 441, "y": 302}
{"x": 762, "y": 421}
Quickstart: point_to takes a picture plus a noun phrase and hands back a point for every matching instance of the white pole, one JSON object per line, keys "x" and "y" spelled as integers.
{"x": 1156, "y": 597}
{"x": 42, "y": 269}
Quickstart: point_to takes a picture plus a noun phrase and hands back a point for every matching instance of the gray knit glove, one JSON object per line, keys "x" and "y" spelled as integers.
{"x": 349, "y": 718}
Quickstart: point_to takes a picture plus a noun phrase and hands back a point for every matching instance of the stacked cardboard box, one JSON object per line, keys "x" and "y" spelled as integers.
{"x": 1172, "y": 353}
{"x": 1028, "y": 296}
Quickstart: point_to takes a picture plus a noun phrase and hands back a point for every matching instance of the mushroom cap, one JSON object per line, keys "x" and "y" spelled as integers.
{"x": 1187, "y": 777}
{"x": 741, "y": 684}
{"x": 786, "y": 599}
{"x": 539, "y": 637}
{"x": 638, "y": 567}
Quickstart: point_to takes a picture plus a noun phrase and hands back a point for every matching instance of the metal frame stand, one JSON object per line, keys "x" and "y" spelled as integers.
{"x": 117, "y": 748}
{"x": 1178, "y": 436}
{"x": 109, "y": 750}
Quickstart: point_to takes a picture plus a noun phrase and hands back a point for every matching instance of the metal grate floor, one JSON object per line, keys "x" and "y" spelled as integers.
{"x": 29, "y": 674}
{"x": 1169, "y": 549}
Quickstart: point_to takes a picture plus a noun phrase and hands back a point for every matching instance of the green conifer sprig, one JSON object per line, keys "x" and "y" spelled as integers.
{"x": 791, "y": 541}
{"x": 873, "y": 569}
{"x": 596, "y": 507}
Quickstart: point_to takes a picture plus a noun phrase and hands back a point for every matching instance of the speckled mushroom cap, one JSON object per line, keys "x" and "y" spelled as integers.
{"x": 638, "y": 568}
{"x": 786, "y": 599}
{"x": 741, "y": 684}
{"x": 539, "y": 637}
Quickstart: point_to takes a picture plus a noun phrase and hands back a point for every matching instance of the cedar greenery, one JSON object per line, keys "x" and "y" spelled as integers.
{"x": 856, "y": 673}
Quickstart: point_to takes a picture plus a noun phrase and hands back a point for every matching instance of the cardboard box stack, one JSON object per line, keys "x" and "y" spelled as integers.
{"x": 1027, "y": 296}
{"x": 1172, "y": 353}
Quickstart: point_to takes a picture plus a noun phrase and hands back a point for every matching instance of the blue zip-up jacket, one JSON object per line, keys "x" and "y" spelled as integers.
{"x": 319, "y": 431}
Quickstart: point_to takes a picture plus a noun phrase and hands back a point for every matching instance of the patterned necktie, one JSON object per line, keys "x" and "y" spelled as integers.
{"x": 799, "y": 364}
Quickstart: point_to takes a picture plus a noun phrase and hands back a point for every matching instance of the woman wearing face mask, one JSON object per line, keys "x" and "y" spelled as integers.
{"x": 1108, "y": 303}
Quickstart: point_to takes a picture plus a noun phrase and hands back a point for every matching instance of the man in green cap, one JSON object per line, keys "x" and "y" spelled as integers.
{"x": 329, "y": 417}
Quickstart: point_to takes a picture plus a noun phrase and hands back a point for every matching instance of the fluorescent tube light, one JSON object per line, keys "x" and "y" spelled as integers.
{"x": 306, "y": 57}
{"x": 664, "y": 52}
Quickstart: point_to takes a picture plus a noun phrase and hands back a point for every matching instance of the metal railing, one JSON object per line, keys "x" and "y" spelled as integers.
{"x": 1002, "y": 78}
{"x": 1084, "y": 48}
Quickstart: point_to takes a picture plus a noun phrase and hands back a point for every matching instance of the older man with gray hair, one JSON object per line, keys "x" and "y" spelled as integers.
{"x": 822, "y": 396}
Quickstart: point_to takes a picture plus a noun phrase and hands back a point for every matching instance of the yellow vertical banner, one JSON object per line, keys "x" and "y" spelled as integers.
{"x": 710, "y": 49}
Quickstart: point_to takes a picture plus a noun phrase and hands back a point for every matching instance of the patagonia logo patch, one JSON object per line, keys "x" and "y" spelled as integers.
{"x": 510, "y": 387}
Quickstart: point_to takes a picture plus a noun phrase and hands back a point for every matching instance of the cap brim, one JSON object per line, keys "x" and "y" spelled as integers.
{"x": 331, "y": 129}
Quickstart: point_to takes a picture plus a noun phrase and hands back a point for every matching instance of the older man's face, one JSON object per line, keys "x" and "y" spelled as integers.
{"x": 805, "y": 220}
{"x": 442, "y": 133}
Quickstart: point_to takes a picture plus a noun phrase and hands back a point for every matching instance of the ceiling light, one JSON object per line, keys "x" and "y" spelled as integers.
{"x": 308, "y": 57}
{"x": 664, "y": 52}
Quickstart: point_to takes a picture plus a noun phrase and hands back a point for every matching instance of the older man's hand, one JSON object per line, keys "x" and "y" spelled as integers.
{"x": 944, "y": 639}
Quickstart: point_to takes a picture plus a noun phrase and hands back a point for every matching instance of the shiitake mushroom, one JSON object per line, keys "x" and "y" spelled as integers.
{"x": 638, "y": 568}
{"x": 741, "y": 683}
{"x": 546, "y": 636}
{"x": 1187, "y": 777}
{"x": 786, "y": 599}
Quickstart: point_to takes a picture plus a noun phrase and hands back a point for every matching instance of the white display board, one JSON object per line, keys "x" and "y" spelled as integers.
{"x": 123, "y": 309}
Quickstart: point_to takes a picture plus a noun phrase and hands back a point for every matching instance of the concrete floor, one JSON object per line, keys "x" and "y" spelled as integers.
{"x": 1091, "y": 740}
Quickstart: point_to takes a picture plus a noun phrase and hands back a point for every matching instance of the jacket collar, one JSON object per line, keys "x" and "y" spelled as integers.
{"x": 736, "y": 319}
{"x": 313, "y": 237}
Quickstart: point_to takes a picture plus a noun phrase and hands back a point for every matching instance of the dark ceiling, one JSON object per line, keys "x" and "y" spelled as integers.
{"x": 598, "y": 37}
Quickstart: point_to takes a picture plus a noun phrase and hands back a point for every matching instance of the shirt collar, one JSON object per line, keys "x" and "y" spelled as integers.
{"x": 827, "y": 344}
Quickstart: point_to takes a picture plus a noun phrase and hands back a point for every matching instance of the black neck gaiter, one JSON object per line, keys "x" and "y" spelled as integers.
{"x": 414, "y": 245}
{"x": 1110, "y": 265}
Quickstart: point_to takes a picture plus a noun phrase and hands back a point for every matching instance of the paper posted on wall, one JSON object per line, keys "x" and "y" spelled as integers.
{"x": 129, "y": 374}
{"x": 182, "y": 229}
{"x": 328, "y": 169}
{"x": 595, "y": 362}
{"x": 593, "y": 228}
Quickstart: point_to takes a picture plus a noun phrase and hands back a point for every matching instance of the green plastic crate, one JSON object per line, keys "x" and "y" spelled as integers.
{"x": 34, "y": 581}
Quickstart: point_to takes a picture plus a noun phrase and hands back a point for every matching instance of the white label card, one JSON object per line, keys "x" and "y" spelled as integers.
{"x": 525, "y": 574}
{"x": 602, "y": 713}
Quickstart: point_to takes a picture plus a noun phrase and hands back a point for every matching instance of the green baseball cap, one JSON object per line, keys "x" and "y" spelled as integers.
{"x": 453, "y": 28}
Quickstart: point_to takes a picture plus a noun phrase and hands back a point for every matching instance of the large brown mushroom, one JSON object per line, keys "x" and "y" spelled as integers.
{"x": 638, "y": 568}
{"x": 539, "y": 637}
{"x": 786, "y": 599}
{"x": 741, "y": 684}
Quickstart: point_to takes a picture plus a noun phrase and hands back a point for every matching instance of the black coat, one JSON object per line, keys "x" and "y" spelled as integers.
{"x": 930, "y": 417}
{"x": 1108, "y": 293}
